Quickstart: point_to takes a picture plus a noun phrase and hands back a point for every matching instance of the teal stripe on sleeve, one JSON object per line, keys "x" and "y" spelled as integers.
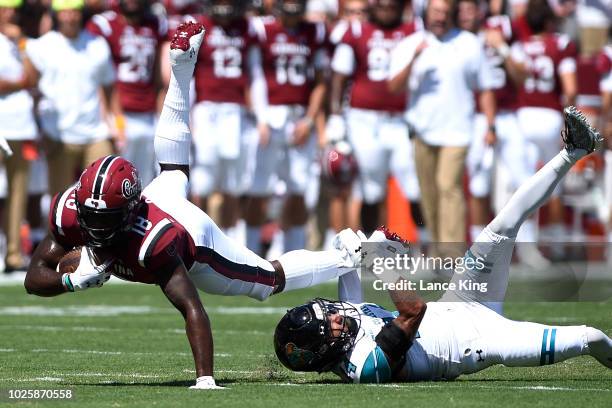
{"x": 543, "y": 353}
{"x": 376, "y": 368}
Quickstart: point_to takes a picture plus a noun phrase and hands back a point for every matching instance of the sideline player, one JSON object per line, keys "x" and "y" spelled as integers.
{"x": 287, "y": 93}
{"x": 161, "y": 238}
{"x": 458, "y": 335}
{"x": 134, "y": 35}
{"x": 374, "y": 120}
{"x": 221, "y": 127}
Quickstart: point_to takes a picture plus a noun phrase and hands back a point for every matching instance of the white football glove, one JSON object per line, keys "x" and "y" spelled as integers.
{"x": 335, "y": 129}
{"x": 87, "y": 274}
{"x": 206, "y": 382}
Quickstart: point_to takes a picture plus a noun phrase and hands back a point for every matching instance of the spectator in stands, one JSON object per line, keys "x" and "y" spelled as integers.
{"x": 442, "y": 67}
{"x": 75, "y": 74}
{"x": 18, "y": 128}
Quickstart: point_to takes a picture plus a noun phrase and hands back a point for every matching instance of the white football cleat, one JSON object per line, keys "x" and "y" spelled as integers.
{"x": 185, "y": 43}
{"x": 349, "y": 241}
{"x": 384, "y": 244}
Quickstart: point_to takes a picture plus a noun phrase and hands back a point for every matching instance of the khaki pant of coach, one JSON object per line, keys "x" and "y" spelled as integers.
{"x": 66, "y": 161}
{"x": 440, "y": 172}
{"x": 18, "y": 176}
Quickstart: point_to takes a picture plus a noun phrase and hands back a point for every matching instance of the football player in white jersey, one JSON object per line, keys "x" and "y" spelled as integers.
{"x": 460, "y": 334}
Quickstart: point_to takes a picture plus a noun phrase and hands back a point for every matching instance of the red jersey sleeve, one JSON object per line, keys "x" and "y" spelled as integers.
{"x": 63, "y": 223}
{"x": 161, "y": 248}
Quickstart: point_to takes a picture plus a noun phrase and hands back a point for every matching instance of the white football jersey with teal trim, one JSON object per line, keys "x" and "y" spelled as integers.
{"x": 438, "y": 351}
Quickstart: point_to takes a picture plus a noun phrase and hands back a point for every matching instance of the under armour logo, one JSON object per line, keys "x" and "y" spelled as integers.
{"x": 191, "y": 53}
{"x": 479, "y": 352}
{"x": 358, "y": 249}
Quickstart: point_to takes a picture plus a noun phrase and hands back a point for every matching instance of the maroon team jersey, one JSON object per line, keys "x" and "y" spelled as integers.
{"x": 152, "y": 244}
{"x": 506, "y": 94}
{"x": 544, "y": 54}
{"x": 288, "y": 59}
{"x": 134, "y": 50}
{"x": 372, "y": 46}
{"x": 221, "y": 70}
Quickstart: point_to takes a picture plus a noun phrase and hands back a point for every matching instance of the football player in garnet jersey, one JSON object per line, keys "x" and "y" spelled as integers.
{"x": 287, "y": 93}
{"x": 374, "y": 120}
{"x": 134, "y": 36}
{"x": 221, "y": 127}
{"x": 460, "y": 334}
{"x": 550, "y": 60}
{"x": 159, "y": 237}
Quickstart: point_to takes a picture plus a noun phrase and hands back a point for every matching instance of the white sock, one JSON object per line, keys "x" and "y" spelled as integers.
{"x": 533, "y": 193}
{"x": 308, "y": 268}
{"x": 475, "y": 231}
{"x": 253, "y": 239}
{"x": 424, "y": 236}
{"x": 295, "y": 238}
{"x": 172, "y": 136}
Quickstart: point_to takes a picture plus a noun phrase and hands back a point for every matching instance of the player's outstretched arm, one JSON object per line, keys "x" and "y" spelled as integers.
{"x": 181, "y": 292}
{"x": 172, "y": 136}
{"x": 41, "y": 278}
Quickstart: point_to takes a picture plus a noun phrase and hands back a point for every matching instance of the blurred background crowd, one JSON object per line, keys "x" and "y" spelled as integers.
{"x": 312, "y": 116}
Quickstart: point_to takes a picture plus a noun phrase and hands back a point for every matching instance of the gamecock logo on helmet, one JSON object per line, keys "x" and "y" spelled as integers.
{"x": 129, "y": 189}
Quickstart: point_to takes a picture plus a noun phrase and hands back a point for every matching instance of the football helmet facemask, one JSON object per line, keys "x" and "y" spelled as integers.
{"x": 107, "y": 199}
{"x": 304, "y": 341}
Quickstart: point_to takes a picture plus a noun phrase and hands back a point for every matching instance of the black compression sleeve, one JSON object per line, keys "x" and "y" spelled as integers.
{"x": 393, "y": 341}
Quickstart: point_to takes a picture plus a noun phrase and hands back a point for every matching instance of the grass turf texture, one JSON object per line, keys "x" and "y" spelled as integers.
{"x": 143, "y": 359}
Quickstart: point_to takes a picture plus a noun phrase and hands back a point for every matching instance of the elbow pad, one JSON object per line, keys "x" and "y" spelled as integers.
{"x": 393, "y": 341}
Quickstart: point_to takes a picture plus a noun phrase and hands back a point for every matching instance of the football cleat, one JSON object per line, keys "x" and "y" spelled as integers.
{"x": 383, "y": 243}
{"x": 578, "y": 133}
{"x": 186, "y": 42}
{"x": 349, "y": 241}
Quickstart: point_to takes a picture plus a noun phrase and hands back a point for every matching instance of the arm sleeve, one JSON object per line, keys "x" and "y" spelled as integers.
{"x": 259, "y": 88}
{"x": 484, "y": 71}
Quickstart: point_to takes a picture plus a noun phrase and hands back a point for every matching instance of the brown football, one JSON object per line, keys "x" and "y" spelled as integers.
{"x": 70, "y": 261}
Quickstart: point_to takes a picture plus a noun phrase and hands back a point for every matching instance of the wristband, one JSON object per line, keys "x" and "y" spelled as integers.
{"x": 492, "y": 128}
{"x": 120, "y": 122}
{"x": 67, "y": 283}
{"x": 309, "y": 121}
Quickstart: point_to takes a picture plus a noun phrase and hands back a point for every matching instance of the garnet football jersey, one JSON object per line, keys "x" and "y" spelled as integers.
{"x": 372, "y": 46}
{"x": 546, "y": 57}
{"x": 153, "y": 242}
{"x": 221, "y": 70}
{"x": 290, "y": 58}
{"x": 134, "y": 50}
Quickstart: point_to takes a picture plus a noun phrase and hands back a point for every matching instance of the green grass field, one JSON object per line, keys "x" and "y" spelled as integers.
{"x": 124, "y": 345}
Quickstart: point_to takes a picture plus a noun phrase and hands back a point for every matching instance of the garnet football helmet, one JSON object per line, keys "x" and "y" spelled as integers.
{"x": 303, "y": 339}
{"x": 107, "y": 197}
{"x": 339, "y": 164}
